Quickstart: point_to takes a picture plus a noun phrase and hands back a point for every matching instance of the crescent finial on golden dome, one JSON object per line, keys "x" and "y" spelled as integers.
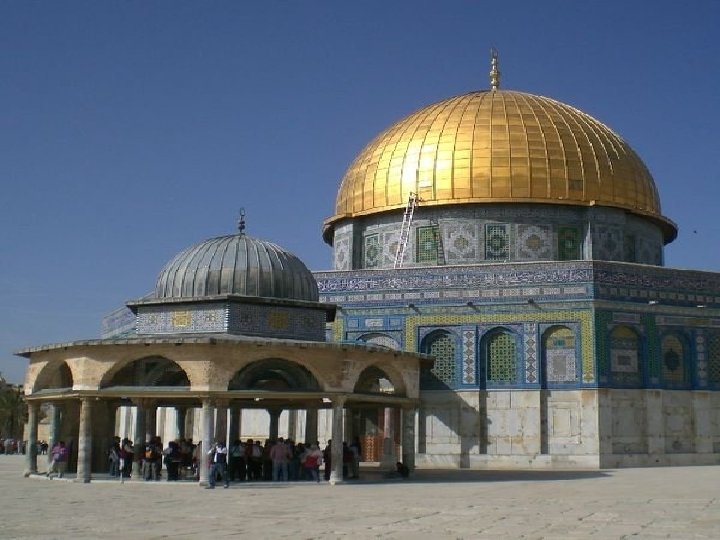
{"x": 494, "y": 71}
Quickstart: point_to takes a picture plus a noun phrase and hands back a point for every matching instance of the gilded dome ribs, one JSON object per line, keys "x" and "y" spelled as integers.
{"x": 497, "y": 146}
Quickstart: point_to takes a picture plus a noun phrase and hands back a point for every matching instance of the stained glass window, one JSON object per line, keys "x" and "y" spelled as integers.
{"x": 568, "y": 244}
{"x": 427, "y": 245}
{"x": 629, "y": 247}
{"x": 497, "y": 246}
{"x": 501, "y": 358}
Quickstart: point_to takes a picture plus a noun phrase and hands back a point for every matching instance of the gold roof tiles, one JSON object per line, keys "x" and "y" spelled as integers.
{"x": 498, "y": 146}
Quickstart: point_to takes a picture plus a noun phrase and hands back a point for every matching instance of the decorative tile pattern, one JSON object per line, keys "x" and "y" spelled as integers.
{"x": 442, "y": 346}
{"x": 700, "y": 359}
{"x": 460, "y": 242}
{"x": 560, "y": 355}
{"x": 583, "y": 318}
{"x": 343, "y": 257}
{"x": 608, "y": 243}
{"x": 625, "y": 356}
{"x": 381, "y": 339}
{"x": 469, "y": 372}
{"x": 713, "y": 359}
{"x": 533, "y": 242}
{"x": 372, "y": 251}
{"x": 531, "y": 361}
{"x": 673, "y": 359}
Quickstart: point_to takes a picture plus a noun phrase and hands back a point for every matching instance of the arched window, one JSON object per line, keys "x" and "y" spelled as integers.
{"x": 382, "y": 340}
{"x": 501, "y": 355}
{"x": 625, "y": 365}
{"x": 713, "y": 356}
{"x": 674, "y": 364}
{"x": 441, "y": 345}
{"x": 560, "y": 356}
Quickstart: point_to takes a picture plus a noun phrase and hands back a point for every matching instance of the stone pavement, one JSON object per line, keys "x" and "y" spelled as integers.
{"x": 681, "y": 503}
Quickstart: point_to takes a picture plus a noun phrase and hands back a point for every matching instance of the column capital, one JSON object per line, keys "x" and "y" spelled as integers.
{"x": 338, "y": 401}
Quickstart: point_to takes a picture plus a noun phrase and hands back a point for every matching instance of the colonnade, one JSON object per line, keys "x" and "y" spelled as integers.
{"x": 214, "y": 415}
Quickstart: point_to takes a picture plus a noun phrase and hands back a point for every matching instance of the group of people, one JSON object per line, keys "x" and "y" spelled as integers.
{"x": 179, "y": 458}
{"x": 275, "y": 460}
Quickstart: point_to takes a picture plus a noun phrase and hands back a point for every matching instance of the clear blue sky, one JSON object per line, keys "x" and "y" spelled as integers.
{"x": 130, "y": 130}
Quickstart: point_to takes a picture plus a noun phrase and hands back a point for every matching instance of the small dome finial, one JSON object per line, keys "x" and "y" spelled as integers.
{"x": 241, "y": 221}
{"x": 494, "y": 71}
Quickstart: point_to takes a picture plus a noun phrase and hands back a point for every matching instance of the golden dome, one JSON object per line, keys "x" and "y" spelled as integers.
{"x": 498, "y": 146}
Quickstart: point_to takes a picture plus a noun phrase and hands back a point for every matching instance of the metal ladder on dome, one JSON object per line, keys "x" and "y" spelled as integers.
{"x": 405, "y": 229}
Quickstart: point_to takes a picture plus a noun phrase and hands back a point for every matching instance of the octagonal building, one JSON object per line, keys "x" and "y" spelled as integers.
{"x": 520, "y": 242}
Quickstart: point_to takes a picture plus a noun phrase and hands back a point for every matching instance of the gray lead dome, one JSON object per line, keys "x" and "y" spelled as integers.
{"x": 236, "y": 264}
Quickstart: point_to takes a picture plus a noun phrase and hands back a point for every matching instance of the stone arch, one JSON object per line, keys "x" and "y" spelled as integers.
{"x": 56, "y": 375}
{"x": 559, "y": 354}
{"x": 373, "y": 380}
{"x": 274, "y": 374}
{"x": 625, "y": 356}
{"x": 443, "y": 345}
{"x": 378, "y": 338}
{"x": 674, "y": 353}
{"x": 147, "y": 371}
{"x": 500, "y": 348}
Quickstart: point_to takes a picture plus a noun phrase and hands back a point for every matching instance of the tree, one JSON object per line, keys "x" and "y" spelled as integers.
{"x": 13, "y": 410}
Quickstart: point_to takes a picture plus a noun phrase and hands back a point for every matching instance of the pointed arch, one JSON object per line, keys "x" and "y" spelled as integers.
{"x": 559, "y": 353}
{"x": 674, "y": 352}
{"x": 625, "y": 356}
{"x": 500, "y": 348}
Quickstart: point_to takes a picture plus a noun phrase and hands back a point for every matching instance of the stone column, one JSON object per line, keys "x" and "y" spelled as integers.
{"x": 181, "y": 415}
{"x": 138, "y": 443}
{"x": 221, "y": 418}
{"x": 150, "y": 420}
{"x": 311, "y": 425}
{"x": 54, "y": 431}
{"x": 84, "y": 466}
{"x": 208, "y": 438}
{"x": 336, "y": 475}
{"x": 32, "y": 438}
{"x": 235, "y": 414}
{"x": 292, "y": 424}
{"x": 274, "y": 423}
{"x": 408, "y": 437}
{"x": 388, "y": 458}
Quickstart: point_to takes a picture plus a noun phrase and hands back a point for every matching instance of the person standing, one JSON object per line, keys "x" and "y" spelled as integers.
{"x": 236, "y": 467}
{"x": 59, "y": 460}
{"x": 279, "y": 454}
{"x": 218, "y": 464}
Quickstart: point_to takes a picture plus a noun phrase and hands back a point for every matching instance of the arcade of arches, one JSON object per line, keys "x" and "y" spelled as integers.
{"x": 363, "y": 390}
